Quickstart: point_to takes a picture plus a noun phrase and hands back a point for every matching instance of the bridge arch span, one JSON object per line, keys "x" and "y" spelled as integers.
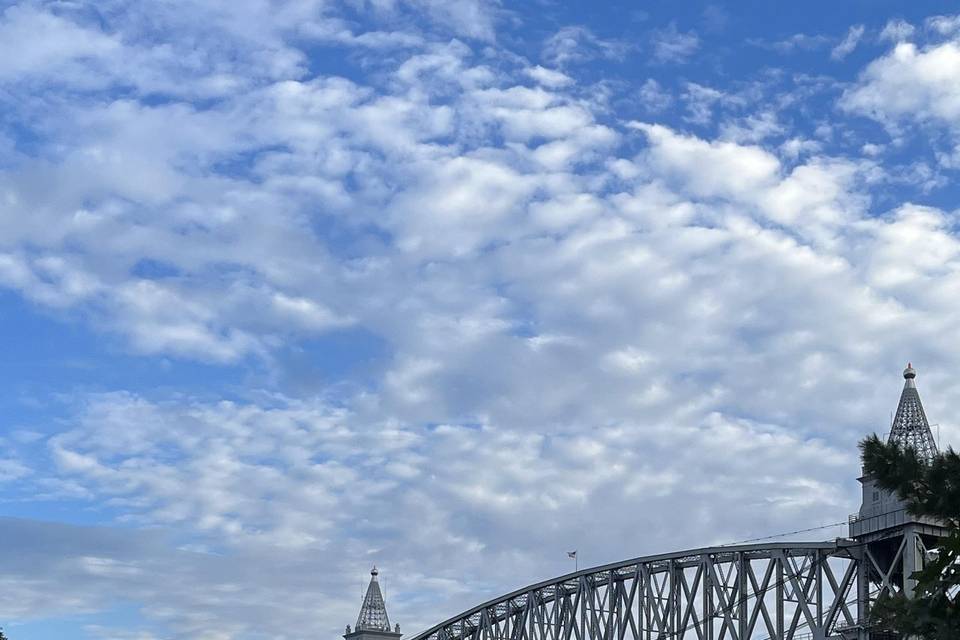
{"x": 784, "y": 591}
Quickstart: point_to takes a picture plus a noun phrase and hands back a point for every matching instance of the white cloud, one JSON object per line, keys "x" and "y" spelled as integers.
{"x": 549, "y": 77}
{"x": 51, "y": 569}
{"x": 921, "y": 84}
{"x": 795, "y": 147}
{"x": 654, "y": 97}
{"x": 849, "y": 42}
{"x": 273, "y": 485}
{"x": 710, "y": 169}
{"x": 814, "y": 193}
{"x": 752, "y": 128}
{"x": 566, "y": 209}
{"x": 897, "y": 31}
{"x": 673, "y": 46}
{"x": 464, "y": 201}
{"x": 12, "y": 470}
{"x": 917, "y": 249}
{"x": 33, "y": 40}
{"x": 573, "y": 44}
{"x": 944, "y": 25}
{"x": 471, "y": 18}
{"x": 796, "y": 42}
{"x": 700, "y": 101}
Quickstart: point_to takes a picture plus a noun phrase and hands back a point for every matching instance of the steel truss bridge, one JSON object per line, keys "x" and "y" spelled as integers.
{"x": 783, "y": 591}
{"x": 768, "y": 591}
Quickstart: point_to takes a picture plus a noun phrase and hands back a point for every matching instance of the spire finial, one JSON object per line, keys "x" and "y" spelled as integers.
{"x": 374, "y": 572}
{"x": 909, "y": 373}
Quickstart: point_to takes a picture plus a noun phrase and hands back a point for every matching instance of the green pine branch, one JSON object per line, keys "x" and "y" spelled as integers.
{"x": 928, "y": 489}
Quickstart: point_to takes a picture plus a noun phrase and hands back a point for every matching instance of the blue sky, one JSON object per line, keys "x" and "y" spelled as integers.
{"x": 291, "y": 288}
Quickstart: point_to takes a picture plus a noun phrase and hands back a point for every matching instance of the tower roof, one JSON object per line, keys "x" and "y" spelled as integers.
{"x": 373, "y": 613}
{"x": 910, "y": 427}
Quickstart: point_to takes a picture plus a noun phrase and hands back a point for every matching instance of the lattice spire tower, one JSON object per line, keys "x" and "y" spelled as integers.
{"x": 910, "y": 427}
{"x": 373, "y": 622}
{"x": 894, "y": 542}
{"x": 882, "y": 509}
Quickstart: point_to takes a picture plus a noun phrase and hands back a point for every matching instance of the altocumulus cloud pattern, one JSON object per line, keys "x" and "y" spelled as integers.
{"x": 291, "y": 288}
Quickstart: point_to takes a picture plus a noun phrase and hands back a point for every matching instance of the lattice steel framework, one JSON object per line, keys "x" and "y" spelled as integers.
{"x": 373, "y": 612}
{"x": 798, "y": 591}
{"x": 910, "y": 427}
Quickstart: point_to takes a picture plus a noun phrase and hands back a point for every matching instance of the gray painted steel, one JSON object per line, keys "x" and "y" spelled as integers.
{"x": 910, "y": 427}
{"x": 373, "y": 611}
{"x": 373, "y": 622}
{"x": 789, "y": 591}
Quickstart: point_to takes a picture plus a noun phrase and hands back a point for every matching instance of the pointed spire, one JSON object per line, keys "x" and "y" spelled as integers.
{"x": 910, "y": 427}
{"x": 373, "y": 613}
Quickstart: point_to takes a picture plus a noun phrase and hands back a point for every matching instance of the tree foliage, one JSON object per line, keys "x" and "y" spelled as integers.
{"x": 928, "y": 489}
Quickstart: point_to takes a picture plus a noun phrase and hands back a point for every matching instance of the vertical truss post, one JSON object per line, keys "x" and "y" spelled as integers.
{"x": 820, "y": 632}
{"x": 676, "y": 600}
{"x": 781, "y": 581}
{"x": 708, "y": 611}
{"x": 742, "y": 563}
{"x": 912, "y": 560}
{"x": 646, "y": 591}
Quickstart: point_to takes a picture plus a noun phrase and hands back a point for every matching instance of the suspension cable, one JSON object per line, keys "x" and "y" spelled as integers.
{"x": 788, "y": 533}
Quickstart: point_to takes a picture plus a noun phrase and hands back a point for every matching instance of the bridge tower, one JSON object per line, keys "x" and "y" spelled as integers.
{"x": 373, "y": 623}
{"x": 892, "y": 543}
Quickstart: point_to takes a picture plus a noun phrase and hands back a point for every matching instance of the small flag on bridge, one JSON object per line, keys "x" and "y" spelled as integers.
{"x": 571, "y": 554}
